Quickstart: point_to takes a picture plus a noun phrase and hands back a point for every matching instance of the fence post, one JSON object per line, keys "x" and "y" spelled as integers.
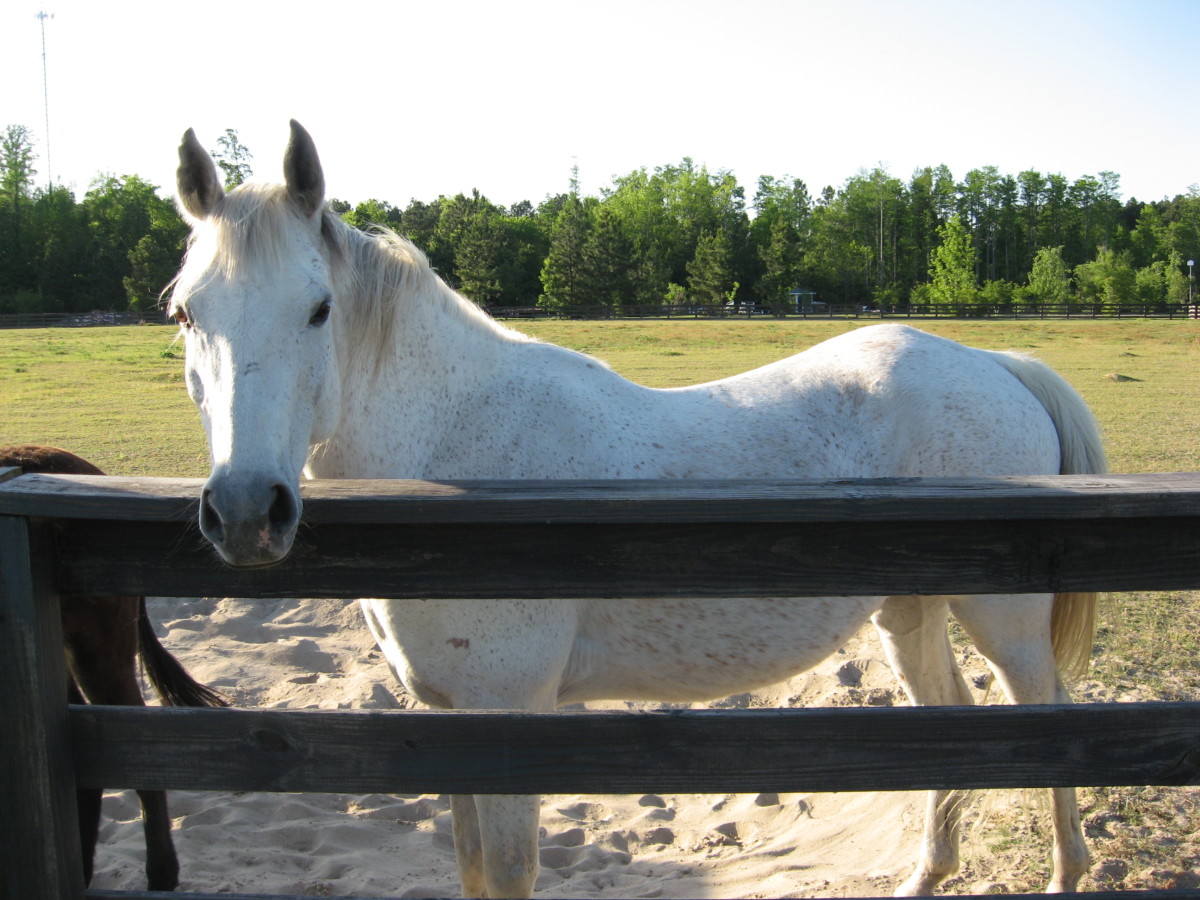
{"x": 39, "y": 828}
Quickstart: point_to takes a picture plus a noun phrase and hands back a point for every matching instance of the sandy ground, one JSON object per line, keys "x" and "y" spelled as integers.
{"x": 318, "y": 654}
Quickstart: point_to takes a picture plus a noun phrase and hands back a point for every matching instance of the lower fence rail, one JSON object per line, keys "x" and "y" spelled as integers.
{"x": 616, "y": 752}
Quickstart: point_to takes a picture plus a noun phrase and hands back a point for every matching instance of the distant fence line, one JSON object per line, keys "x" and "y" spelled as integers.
{"x": 82, "y": 320}
{"x": 857, "y": 311}
{"x": 744, "y": 311}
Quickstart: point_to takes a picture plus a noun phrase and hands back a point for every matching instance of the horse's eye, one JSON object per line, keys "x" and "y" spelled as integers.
{"x": 182, "y": 317}
{"x": 321, "y": 316}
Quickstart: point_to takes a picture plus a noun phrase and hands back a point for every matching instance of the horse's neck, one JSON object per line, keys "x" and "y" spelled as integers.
{"x": 398, "y": 397}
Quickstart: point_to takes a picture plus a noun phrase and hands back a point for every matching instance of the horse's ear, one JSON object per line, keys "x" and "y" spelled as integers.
{"x": 302, "y": 172}
{"x": 196, "y": 178}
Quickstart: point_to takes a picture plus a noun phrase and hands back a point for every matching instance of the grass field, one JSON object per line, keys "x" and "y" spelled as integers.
{"x": 116, "y": 396}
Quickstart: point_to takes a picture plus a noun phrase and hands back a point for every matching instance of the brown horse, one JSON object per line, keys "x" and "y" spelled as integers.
{"x": 103, "y": 636}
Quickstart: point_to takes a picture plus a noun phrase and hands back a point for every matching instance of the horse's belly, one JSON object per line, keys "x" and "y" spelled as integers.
{"x": 476, "y": 654}
{"x": 693, "y": 650}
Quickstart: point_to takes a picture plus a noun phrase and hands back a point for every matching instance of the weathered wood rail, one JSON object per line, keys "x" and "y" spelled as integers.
{"x": 61, "y": 535}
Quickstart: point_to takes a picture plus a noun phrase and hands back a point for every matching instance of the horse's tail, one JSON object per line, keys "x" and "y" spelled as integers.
{"x": 168, "y": 677}
{"x": 1073, "y": 619}
{"x": 1082, "y": 451}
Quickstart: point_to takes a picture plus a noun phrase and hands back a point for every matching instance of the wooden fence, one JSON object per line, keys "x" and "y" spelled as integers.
{"x": 575, "y": 539}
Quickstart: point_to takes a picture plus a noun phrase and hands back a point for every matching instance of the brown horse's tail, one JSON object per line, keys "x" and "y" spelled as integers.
{"x": 170, "y": 679}
{"x": 1073, "y": 619}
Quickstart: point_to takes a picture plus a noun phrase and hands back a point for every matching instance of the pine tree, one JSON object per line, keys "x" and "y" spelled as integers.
{"x": 711, "y": 278}
{"x": 478, "y": 257}
{"x": 563, "y": 273}
{"x": 16, "y": 194}
{"x": 606, "y": 255}
{"x": 781, "y": 266}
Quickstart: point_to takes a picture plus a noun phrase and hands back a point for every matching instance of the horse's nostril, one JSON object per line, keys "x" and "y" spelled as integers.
{"x": 250, "y": 522}
{"x": 282, "y": 513}
{"x": 211, "y": 524}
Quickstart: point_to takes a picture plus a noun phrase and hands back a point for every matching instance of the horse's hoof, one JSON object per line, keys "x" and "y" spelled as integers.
{"x": 163, "y": 876}
{"x": 1063, "y": 886}
{"x": 919, "y": 884}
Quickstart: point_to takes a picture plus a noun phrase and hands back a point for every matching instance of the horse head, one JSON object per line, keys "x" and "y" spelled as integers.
{"x": 255, "y": 304}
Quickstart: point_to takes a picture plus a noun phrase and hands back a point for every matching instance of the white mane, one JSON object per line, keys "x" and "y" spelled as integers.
{"x": 372, "y": 272}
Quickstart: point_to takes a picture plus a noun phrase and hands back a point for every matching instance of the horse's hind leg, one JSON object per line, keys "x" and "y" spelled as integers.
{"x": 100, "y": 634}
{"x": 508, "y": 829}
{"x": 913, "y": 632}
{"x": 162, "y": 865}
{"x": 1013, "y": 633}
{"x": 87, "y": 806}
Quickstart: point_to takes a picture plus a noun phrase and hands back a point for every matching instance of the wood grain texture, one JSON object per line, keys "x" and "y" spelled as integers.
{"x": 703, "y": 751}
{"x": 39, "y": 829}
{"x": 906, "y": 499}
{"x": 647, "y": 560}
{"x": 642, "y": 538}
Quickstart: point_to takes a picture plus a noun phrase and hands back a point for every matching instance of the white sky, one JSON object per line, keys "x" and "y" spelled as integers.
{"x": 419, "y": 99}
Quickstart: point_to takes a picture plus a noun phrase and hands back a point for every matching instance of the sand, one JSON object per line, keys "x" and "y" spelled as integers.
{"x": 318, "y": 654}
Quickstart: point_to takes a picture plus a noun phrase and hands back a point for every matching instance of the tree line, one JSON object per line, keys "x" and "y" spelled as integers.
{"x": 677, "y": 234}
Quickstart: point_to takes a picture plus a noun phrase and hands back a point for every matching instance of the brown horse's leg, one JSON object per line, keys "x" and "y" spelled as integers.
{"x": 101, "y": 640}
{"x": 87, "y": 805}
{"x": 162, "y": 865}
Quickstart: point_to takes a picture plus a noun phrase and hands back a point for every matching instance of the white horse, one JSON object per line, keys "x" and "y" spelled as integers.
{"x": 314, "y": 348}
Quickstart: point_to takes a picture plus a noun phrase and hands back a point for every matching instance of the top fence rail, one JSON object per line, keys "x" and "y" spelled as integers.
{"x": 607, "y": 539}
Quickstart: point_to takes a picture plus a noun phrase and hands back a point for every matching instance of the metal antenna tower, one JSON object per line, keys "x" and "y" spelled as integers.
{"x": 42, "y": 17}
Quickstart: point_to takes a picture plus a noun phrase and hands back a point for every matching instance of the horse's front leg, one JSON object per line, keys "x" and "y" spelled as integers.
{"x": 508, "y": 834}
{"x": 496, "y": 842}
{"x": 490, "y": 655}
{"x": 468, "y": 846}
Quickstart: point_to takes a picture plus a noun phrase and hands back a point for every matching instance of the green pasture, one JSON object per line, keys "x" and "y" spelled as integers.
{"x": 116, "y": 395}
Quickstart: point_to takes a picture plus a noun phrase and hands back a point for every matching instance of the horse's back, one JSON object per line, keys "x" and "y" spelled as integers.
{"x": 49, "y": 460}
{"x": 886, "y": 400}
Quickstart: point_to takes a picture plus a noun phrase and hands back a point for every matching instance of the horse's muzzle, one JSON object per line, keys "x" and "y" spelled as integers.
{"x": 250, "y": 521}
